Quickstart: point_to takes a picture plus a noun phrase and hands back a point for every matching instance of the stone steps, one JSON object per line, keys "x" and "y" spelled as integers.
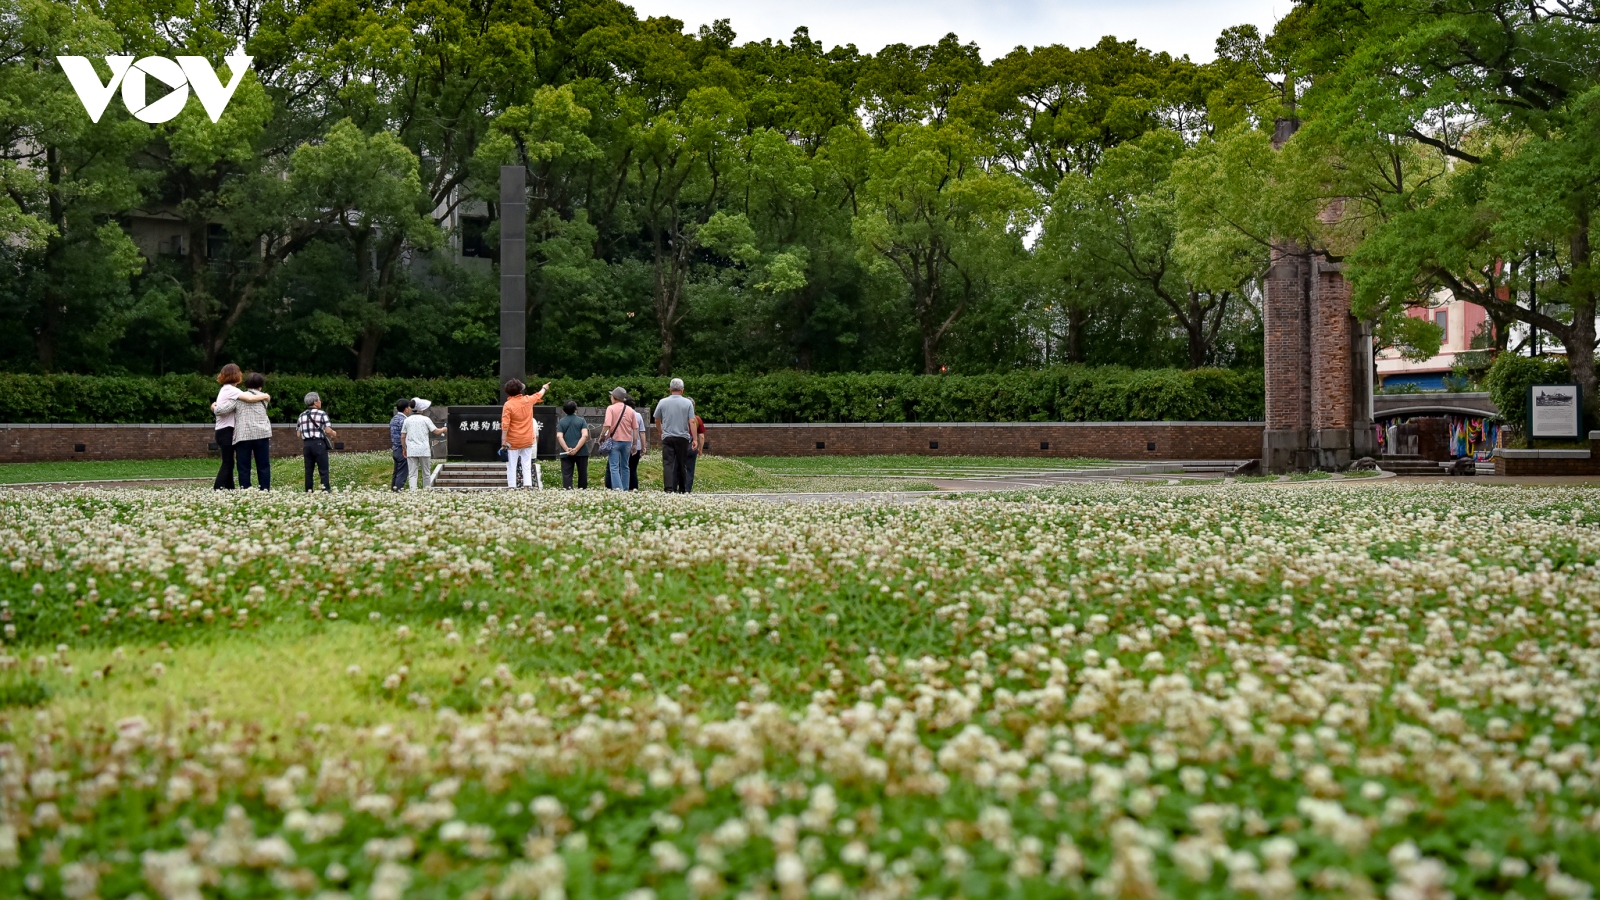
{"x": 1412, "y": 464}
{"x": 469, "y": 476}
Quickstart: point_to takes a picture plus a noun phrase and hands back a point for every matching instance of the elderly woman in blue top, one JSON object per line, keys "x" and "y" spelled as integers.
{"x": 396, "y": 444}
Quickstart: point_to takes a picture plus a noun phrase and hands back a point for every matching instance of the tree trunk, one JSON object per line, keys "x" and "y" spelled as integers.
{"x": 44, "y": 340}
{"x": 667, "y": 296}
{"x": 1195, "y": 325}
{"x": 930, "y": 354}
{"x": 1197, "y": 344}
{"x": 1077, "y": 320}
{"x": 367, "y": 351}
{"x": 671, "y": 263}
{"x": 1580, "y": 336}
{"x": 664, "y": 366}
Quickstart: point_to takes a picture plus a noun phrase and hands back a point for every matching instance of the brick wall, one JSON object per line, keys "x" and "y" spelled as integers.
{"x": 1103, "y": 440}
{"x": 56, "y": 443}
{"x": 1512, "y": 466}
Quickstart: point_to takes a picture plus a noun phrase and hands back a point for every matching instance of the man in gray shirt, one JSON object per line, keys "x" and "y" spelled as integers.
{"x": 675, "y": 413}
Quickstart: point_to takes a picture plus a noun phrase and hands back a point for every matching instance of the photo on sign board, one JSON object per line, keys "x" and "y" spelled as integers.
{"x": 1555, "y": 411}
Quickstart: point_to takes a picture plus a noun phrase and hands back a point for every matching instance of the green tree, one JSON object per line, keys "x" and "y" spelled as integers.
{"x": 1507, "y": 98}
{"x": 682, "y": 171}
{"x": 367, "y": 190}
{"x": 66, "y": 180}
{"x": 1125, "y": 217}
{"x": 943, "y": 220}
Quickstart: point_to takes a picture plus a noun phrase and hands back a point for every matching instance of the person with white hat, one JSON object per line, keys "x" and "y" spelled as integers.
{"x": 418, "y": 446}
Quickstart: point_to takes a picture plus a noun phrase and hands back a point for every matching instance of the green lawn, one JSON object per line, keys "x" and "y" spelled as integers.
{"x": 732, "y": 475}
{"x": 288, "y": 473}
{"x": 714, "y": 474}
{"x": 915, "y": 466}
{"x": 105, "y": 470}
{"x": 1091, "y": 691}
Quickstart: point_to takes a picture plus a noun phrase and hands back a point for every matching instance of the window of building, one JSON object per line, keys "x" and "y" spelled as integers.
{"x": 216, "y": 242}
{"x": 473, "y": 243}
{"x": 1442, "y": 319}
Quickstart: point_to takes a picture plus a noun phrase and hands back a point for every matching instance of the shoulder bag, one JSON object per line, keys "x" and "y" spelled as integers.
{"x": 610, "y": 443}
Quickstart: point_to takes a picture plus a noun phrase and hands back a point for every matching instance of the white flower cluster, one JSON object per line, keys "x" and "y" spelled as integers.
{"x": 1113, "y": 690}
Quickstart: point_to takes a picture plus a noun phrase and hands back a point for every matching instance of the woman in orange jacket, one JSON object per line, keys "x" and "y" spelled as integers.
{"x": 517, "y": 432}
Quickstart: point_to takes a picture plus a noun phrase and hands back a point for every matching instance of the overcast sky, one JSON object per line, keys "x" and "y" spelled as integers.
{"x": 1176, "y": 26}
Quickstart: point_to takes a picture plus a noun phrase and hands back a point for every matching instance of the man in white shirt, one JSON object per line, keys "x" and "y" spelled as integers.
{"x": 417, "y": 444}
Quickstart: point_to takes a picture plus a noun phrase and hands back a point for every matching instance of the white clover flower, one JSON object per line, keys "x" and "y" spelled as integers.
{"x": 667, "y": 856}
{"x": 828, "y": 884}
{"x": 703, "y": 882}
{"x": 790, "y": 874}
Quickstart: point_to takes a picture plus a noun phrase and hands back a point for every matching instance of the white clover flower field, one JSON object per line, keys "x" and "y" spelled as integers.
{"x": 1114, "y": 691}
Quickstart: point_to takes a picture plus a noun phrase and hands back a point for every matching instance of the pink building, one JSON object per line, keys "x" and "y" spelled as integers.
{"x": 1461, "y": 322}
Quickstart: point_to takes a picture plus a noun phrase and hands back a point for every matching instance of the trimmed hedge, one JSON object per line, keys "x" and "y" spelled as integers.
{"x": 1071, "y": 394}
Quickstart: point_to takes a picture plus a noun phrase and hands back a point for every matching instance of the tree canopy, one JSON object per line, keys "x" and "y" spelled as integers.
{"x": 701, "y": 204}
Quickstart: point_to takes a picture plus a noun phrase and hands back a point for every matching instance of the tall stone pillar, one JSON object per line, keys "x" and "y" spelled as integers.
{"x": 1332, "y": 379}
{"x": 513, "y": 274}
{"x": 1317, "y": 359}
{"x": 1286, "y": 441}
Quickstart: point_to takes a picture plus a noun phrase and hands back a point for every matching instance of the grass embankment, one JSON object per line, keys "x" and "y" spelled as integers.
{"x": 1219, "y": 692}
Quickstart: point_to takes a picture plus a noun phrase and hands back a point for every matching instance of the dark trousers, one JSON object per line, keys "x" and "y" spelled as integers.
{"x": 633, "y": 471}
{"x": 675, "y": 465}
{"x": 259, "y": 450}
{"x": 689, "y": 488}
{"x": 569, "y": 463}
{"x": 224, "y": 480}
{"x": 398, "y": 482}
{"x": 316, "y": 454}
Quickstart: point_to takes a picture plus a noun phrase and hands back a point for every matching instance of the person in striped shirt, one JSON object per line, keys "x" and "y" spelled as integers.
{"x": 314, "y": 434}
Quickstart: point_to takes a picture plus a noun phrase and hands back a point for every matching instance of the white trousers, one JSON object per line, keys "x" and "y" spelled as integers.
{"x": 422, "y": 464}
{"x": 522, "y": 459}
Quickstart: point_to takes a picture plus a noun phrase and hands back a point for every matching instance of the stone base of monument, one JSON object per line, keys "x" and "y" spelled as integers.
{"x": 478, "y": 476}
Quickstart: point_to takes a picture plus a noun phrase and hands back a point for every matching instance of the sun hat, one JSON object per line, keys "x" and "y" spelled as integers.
{"x": 618, "y": 393}
{"x": 420, "y": 405}
{"x": 311, "y": 398}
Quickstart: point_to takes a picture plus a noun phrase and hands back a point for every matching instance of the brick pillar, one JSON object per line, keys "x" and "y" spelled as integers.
{"x": 1332, "y": 381}
{"x": 1285, "y": 444}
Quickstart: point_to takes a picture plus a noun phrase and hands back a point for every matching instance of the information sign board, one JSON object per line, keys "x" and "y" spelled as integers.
{"x": 1555, "y": 411}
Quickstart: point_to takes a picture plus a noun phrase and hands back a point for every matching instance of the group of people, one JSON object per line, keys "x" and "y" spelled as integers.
{"x": 244, "y": 436}
{"x": 623, "y": 441}
{"x": 411, "y": 442}
{"x": 244, "y": 432}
